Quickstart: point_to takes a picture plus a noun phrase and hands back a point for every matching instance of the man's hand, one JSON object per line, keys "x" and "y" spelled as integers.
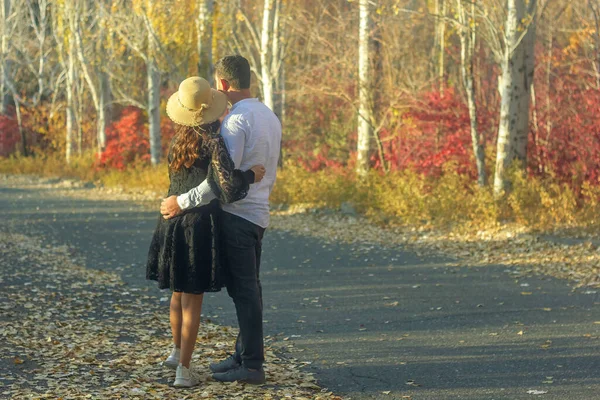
{"x": 169, "y": 207}
{"x": 259, "y": 173}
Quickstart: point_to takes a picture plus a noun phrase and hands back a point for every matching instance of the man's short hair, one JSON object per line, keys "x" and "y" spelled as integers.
{"x": 235, "y": 70}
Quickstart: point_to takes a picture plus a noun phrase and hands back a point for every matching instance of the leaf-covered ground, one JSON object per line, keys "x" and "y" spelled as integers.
{"x": 71, "y": 332}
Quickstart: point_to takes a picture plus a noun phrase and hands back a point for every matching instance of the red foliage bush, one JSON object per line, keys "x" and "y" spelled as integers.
{"x": 9, "y": 134}
{"x": 433, "y": 133}
{"x": 167, "y": 132}
{"x": 565, "y": 142}
{"x": 126, "y": 141}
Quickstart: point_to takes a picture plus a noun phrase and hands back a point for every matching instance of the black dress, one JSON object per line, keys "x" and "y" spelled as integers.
{"x": 184, "y": 252}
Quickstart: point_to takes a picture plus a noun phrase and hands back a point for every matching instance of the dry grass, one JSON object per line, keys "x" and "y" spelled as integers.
{"x": 138, "y": 176}
{"x": 450, "y": 201}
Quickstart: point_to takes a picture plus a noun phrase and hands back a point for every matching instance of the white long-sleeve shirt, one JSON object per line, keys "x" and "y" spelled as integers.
{"x": 252, "y": 133}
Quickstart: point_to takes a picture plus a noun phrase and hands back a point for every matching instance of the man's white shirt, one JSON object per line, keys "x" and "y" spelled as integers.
{"x": 252, "y": 133}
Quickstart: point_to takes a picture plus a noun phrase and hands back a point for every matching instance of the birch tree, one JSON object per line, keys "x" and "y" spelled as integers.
{"x": 468, "y": 34}
{"x": 204, "y": 30}
{"x": 440, "y": 40}
{"x": 146, "y": 45}
{"x": 39, "y": 15}
{"x": 365, "y": 111}
{"x": 270, "y": 46}
{"x": 23, "y": 53}
{"x": 63, "y": 14}
{"x": 595, "y": 10}
{"x": 93, "y": 70}
{"x": 515, "y": 90}
{"x": 6, "y": 27}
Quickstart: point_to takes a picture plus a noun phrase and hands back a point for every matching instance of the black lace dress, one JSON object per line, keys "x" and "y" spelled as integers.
{"x": 184, "y": 252}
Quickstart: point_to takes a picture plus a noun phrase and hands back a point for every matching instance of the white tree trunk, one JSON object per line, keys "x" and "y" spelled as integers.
{"x": 153, "y": 105}
{"x": 515, "y": 86}
{"x": 153, "y": 109}
{"x": 280, "y": 93}
{"x": 440, "y": 40}
{"x": 3, "y": 90}
{"x": 107, "y": 97}
{"x": 467, "y": 33}
{"x": 79, "y": 115}
{"x": 20, "y": 125}
{"x": 103, "y": 115}
{"x": 96, "y": 91}
{"x": 204, "y": 28}
{"x": 4, "y": 67}
{"x": 70, "y": 123}
{"x": 267, "y": 78}
{"x": 364, "y": 92}
{"x": 527, "y": 70}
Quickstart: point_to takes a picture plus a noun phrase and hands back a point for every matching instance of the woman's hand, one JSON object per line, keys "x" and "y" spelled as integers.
{"x": 259, "y": 173}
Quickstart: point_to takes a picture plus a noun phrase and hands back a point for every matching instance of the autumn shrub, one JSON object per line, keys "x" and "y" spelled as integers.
{"x": 9, "y": 135}
{"x": 321, "y": 137}
{"x": 126, "y": 141}
{"x": 138, "y": 176}
{"x": 36, "y": 126}
{"x": 543, "y": 202}
{"x": 433, "y": 132}
{"x": 451, "y": 199}
{"x": 51, "y": 165}
{"x": 400, "y": 197}
{"x": 324, "y": 187}
{"x": 564, "y": 137}
{"x": 590, "y": 209}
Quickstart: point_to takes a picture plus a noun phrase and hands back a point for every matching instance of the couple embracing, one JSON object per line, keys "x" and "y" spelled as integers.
{"x": 222, "y": 168}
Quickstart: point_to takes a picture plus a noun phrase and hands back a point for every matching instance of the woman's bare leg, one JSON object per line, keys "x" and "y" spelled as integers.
{"x": 191, "y": 305}
{"x": 175, "y": 317}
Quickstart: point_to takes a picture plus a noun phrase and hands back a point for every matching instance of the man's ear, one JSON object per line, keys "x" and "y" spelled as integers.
{"x": 224, "y": 84}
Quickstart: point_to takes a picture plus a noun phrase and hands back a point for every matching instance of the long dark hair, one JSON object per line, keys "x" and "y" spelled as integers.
{"x": 189, "y": 142}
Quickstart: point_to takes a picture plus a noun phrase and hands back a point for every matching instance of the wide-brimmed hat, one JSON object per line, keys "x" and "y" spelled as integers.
{"x": 195, "y": 103}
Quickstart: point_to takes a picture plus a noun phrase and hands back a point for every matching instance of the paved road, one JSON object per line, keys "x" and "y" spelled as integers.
{"x": 373, "y": 323}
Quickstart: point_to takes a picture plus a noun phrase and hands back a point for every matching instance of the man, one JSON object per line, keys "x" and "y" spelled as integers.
{"x": 252, "y": 133}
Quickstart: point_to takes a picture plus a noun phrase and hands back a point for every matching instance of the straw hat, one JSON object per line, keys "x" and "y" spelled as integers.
{"x": 195, "y": 103}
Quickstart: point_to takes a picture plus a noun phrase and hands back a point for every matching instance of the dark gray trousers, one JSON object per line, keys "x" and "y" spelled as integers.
{"x": 241, "y": 247}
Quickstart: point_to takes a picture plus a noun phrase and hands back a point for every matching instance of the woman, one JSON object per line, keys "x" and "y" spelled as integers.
{"x": 184, "y": 253}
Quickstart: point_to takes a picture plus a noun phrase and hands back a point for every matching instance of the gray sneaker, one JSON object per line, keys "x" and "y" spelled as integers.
{"x": 225, "y": 365}
{"x": 241, "y": 374}
{"x": 185, "y": 378}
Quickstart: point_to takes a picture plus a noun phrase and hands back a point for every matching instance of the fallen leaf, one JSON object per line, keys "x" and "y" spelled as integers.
{"x": 537, "y": 391}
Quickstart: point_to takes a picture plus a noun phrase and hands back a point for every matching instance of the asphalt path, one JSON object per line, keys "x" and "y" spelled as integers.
{"x": 371, "y": 322}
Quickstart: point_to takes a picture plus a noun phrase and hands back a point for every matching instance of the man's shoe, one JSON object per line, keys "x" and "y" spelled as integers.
{"x": 225, "y": 365}
{"x": 242, "y": 374}
{"x": 173, "y": 360}
{"x": 184, "y": 378}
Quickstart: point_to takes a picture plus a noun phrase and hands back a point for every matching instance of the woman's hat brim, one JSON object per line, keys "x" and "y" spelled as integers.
{"x": 186, "y": 117}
